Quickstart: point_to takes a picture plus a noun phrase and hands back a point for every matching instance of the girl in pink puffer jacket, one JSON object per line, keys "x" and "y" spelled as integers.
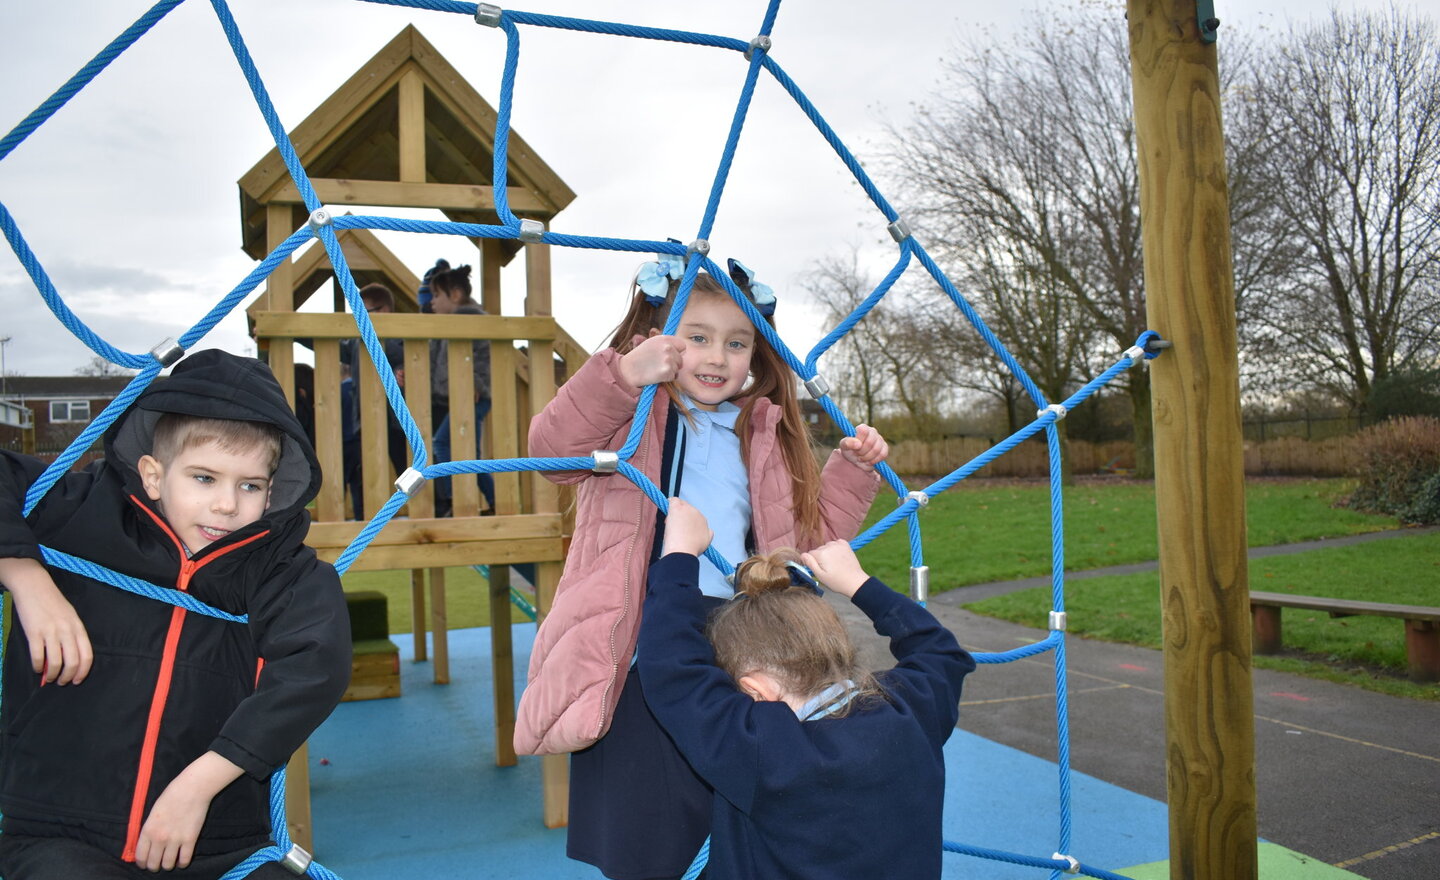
{"x": 728, "y": 437}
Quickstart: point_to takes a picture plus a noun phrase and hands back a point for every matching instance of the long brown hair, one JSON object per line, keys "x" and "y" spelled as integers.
{"x": 771, "y": 379}
{"x": 786, "y": 631}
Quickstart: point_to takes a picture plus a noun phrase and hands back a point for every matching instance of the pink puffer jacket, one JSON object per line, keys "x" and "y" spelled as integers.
{"x": 585, "y": 643}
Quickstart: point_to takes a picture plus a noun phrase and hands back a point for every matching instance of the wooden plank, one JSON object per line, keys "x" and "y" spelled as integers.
{"x": 329, "y": 506}
{"x": 297, "y": 799}
{"x": 555, "y": 790}
{"x": 417, "y": 613}
{"x": 540, "y": 387}
{"x": 417, "y": 400}
{"x": 465, "y": 489}
{"x": 429, "y": 530}
{"x": 1199, "y": 465}
{"x": 315, "y": 325}
{"x": 412, "y": 127}
{"x": 1345, "y": 606}
{"x": 450, "y": 555}
{"x": 373, "y": 409}
{"x": 502, "y": 666}
{"x": 503, "y": 417}
{"x": 280, "y": 288}
{"x": 343, "y": 192}
{"x": 439, "y": 627}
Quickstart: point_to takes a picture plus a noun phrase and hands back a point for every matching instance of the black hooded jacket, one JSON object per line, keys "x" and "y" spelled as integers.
{"x": 168, "y": 685}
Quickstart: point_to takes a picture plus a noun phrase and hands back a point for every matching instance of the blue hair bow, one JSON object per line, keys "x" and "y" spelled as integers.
{"x": 654, "y": 278}
{"x": 800, "y": 576}
{"x": 761, "y": 294}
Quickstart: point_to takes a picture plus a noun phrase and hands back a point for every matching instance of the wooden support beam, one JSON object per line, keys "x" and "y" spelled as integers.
{"x": 1199, "y": 475}
{"x": 412, "y": 127}
{"x": 330, "y": 505}
{"x": 339, "y": 192}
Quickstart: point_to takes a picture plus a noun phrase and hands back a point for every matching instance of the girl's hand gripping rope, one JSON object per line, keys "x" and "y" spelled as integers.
{"x": 836, "y": 566}
{"x": 866, "y": 449}
{"x": 686, "y": 530}
{"x": 657, "y": 359}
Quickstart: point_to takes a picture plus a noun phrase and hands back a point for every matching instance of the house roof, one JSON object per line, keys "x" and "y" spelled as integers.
{"x": 406, "y": 130}
{"x": 53, "y": 387}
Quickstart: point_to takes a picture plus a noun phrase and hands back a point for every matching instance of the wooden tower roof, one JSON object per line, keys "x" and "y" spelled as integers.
{"x": 406, "y": 130}
{"x": 370, "y": 261}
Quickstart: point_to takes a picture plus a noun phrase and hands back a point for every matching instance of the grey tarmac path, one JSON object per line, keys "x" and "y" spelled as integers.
{"x": 1343, "y": 774}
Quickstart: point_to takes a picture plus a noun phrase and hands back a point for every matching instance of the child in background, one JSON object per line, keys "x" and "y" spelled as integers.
{"x": 450, "y": 295}
{"x": 728, "y": 436}
{"x": 820, "y": 770}
{"x": 138, "y": 736}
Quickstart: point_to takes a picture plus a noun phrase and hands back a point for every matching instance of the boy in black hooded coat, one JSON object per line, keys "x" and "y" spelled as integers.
{"x": 110, "y": 767}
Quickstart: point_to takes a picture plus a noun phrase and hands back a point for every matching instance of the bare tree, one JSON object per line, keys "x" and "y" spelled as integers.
{"x": 1029, "y": 149}
{"x": 103, "y": 368}
{"x": 1353, "y": 157}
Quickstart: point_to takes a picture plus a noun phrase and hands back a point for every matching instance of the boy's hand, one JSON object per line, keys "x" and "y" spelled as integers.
{"x": 836, "y": 566}
{"x": 866, "y": 449}
{"x": 167, "y": 839}
{"x": 657, "y": 359}
{"x": 686, "y": 530}
{"x": 59, "y": 646}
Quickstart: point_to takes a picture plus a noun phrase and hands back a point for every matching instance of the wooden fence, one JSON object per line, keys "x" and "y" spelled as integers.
{"x": 1286, "y": 456}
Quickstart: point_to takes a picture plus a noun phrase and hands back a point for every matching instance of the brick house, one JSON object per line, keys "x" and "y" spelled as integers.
{"x": 59, "y": 407}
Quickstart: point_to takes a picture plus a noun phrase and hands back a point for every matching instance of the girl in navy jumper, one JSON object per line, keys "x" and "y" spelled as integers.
{"x": 803, "y": 749}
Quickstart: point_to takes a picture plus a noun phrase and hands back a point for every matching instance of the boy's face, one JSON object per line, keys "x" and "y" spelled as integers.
{"x": 208, "y": 492}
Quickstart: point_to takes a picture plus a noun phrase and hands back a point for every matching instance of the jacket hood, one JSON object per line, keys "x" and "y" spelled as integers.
{"x": 214, "y": 384}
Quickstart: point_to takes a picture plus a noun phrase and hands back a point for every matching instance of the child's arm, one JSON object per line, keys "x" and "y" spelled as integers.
{"x": 59, "y": 645}
{"x": 932, "y": 665}
{"x": 167, "y": 839}
{"x": 716, "y": 727}
{"x": 849, "y": 483}
{"x": 301, "y": 628}
{"x": 594, "y": 406}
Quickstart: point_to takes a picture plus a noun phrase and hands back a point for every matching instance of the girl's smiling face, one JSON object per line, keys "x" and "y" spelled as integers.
{"x": 719, "y": 341}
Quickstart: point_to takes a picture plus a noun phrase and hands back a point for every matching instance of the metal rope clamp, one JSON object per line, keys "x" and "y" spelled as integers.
{"x": 606, "y": 462}
{"x": 320, "y": 217}
{"x": 297, "y": 860}
{"x": 920, "y": 498}
{"x": 1074, "y": 863}
{"x": 818, "y": 387}
{"x": 531, "y": 231}
{"x": 899, "y": 230}
{"x": 920, "y": 582}
{"x": 409, "y": 482}
{"x": 1058, "y": 621}
{"x": 1057, "y": 408}
{"x": 699, "y": 246}
{"x": 488, "y": 14}
{"x": 167, "y": 351}
{"x": 761, "y": 42}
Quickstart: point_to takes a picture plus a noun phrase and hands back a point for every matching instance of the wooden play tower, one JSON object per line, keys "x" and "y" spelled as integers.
{"x": 406, "y": 130}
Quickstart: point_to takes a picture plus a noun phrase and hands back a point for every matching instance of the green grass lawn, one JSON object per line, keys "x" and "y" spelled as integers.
{"x": 467, "y": 597}
{"x": 1363, "y": 650}
{"x": 992, "y": 532}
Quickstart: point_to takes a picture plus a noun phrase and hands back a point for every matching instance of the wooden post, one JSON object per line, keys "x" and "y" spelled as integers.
{"x": 1199, "y": 475}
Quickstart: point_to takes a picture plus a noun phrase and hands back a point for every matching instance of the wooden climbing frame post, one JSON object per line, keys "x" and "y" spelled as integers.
{"x": 1199, "y": 473}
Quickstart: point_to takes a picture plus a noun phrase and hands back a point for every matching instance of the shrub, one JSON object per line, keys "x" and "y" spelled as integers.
{"x": 1399, "y": 469}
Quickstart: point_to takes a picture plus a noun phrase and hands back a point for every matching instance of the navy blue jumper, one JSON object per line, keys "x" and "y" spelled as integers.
{"x": 854, "y": 796}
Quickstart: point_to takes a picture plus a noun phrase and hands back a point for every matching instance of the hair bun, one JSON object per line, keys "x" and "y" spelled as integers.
{"x": 766, "y": 574}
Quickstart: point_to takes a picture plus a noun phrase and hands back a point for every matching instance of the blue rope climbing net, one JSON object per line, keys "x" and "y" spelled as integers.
{"x": 324, "y": 227}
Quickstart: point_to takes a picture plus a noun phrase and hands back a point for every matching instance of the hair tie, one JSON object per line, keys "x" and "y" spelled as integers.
{"x": 801, "y": 576}
{"x": 654, "y": 278}
{"x": 762, "y": 295}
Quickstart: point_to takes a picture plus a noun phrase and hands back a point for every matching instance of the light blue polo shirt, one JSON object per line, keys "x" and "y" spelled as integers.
{"x": 712, "y": 478}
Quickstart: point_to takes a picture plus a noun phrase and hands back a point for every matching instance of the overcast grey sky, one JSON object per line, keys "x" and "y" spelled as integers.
{"x": 128, "y": 195}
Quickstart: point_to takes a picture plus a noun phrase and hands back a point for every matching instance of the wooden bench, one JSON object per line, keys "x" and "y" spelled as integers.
{"x": 1422, "y": 625}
